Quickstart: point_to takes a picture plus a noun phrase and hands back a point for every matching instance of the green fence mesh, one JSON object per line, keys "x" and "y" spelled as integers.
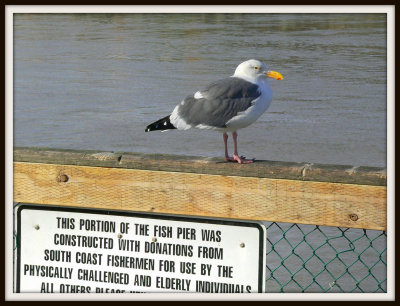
{"x": 312, "y": 258}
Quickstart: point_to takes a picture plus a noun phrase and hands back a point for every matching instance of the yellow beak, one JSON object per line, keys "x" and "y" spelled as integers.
{"x": 274, "y": 74}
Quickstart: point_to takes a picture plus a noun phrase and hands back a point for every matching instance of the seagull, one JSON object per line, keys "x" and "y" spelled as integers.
{"x": 226, "y": 105}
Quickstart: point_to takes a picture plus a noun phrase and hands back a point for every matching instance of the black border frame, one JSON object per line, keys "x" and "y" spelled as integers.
{"x": 22, "y": 206}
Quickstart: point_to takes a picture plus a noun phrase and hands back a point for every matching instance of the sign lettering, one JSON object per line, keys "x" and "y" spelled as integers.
{"x": 73, "y": 250}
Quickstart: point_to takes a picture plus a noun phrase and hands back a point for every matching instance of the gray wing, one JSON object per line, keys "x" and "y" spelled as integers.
{"x": 222, "y": 100}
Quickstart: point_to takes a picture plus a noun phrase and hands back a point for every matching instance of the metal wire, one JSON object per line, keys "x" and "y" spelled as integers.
{"x": 312, "y": 258}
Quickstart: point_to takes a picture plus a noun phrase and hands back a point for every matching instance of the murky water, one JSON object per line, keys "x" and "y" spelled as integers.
{"x": 87, "y": 81}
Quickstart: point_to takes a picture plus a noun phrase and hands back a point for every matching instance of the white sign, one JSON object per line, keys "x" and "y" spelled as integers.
{"x": 74, "y": 250}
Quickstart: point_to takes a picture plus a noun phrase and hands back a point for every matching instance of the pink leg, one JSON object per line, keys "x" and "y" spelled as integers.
{"x": 227, "y": 157}
{"x": 239, "y": 159}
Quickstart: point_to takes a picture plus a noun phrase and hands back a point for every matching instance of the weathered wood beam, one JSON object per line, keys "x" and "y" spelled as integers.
{"x": 268, "y": 191}
{"x": 192, "y": 164}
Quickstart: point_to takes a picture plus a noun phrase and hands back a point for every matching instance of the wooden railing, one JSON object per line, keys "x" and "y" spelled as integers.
{"x": 331, "y": 195}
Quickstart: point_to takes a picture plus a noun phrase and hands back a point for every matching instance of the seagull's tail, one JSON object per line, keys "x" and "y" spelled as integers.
{"x": 161, "y": 125}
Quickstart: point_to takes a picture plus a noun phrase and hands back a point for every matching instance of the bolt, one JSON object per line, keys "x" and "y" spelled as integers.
{"x": 119, "y": 236}
{"x": 242, "y": 245}
{"x": 63, "y": 178}
{"x": 154, "y": 239}
{"x": 37, "y": 227}
{"x": 353, "y": 217}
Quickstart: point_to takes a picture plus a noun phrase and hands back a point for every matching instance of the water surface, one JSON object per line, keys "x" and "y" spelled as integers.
{"x": 94, "y": 81}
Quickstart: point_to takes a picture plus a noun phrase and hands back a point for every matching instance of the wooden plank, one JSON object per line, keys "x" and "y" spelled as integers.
{"x": 191, "y": 164}
{"x": 251, "y": 198}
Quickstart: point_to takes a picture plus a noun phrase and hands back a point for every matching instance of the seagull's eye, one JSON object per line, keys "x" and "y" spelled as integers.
{"x": 255, "y": 67}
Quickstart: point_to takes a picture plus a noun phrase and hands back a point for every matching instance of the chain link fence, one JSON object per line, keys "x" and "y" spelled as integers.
{"x": 312, "y": 258}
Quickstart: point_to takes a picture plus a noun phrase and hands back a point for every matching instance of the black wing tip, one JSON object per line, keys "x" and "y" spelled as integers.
{"x": 160, "y": 125}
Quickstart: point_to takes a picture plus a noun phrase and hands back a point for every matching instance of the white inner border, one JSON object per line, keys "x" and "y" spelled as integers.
{"x": 388, "y": 9}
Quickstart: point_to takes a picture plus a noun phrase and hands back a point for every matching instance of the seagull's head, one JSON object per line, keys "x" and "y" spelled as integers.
{"x": 254, "y": 70}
